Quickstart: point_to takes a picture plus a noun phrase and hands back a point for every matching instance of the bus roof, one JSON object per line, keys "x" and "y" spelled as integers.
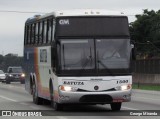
{"x": 87, "y": 12}
{"x": 77, "y": 12}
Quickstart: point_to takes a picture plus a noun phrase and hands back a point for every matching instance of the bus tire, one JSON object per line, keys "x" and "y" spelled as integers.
{"x": 116, "y": 106}
{"x": 37, "y": 100}
{"x": 58, "y": 107}
{"x": 51, "y": 94}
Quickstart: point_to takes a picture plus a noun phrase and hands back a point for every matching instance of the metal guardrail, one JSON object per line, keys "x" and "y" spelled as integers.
{"x": 146, "y": 66}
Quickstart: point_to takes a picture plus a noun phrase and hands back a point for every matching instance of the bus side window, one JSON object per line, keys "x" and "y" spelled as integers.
{"x": 26, "y": 34}
{"x": 29, "y": 34}
{"x": 45, "y": 32}
{"x": 36, "y": 33}
{"x": 33, "y": 34}
{"x": 49, "y": 30}
{"x": 53, "y": 29}
{"x": 40, "y": 32}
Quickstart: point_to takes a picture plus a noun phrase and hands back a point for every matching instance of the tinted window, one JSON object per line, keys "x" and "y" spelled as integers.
{"x": 36, "y": 33}
{"x": 15, "y": 70}
{"x": 29, "y": 34}
{"x": 53, "y": 29}
{"x": 25, "y": 36}
{"x": 87, "y": 26}
{"x": 40, "y": 32}
{"x": 33, "y": 34}
{"x": 77, "y": 54}
{"x": 113, "y": 53}
{"x": 45, "y": 32}
{"x": 49, "y": 30}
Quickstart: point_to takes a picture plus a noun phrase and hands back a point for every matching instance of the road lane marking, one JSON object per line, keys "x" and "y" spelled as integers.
{"x": 8, "y": 98}
{"x": 19, "y": 86}
{"x": 146, "y": 98}
{"x": 129, "y": 108}
{"x": 24, "y": 103}
{"x": 61, "y": 117}
{"x": 36, "y": 108}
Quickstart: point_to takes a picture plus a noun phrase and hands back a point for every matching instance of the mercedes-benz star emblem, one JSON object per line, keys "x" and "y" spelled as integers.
{"x": 96, "y": 87}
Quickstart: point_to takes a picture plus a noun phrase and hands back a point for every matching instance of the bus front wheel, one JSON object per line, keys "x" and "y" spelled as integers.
{"x": 116, "y": 106}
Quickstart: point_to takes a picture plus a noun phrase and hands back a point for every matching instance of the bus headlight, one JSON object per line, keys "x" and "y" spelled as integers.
{"x": 124, "y": 87}
{"x": 67, "y": 88}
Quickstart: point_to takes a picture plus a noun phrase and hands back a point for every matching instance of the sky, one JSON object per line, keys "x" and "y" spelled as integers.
{"x": 12, "y": 24}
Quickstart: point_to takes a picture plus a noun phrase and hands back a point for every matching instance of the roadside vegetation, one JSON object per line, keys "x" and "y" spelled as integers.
{"x": 145, "y": 34}
{"x": 10, "y": 60}
{"x": 146, "y": 87}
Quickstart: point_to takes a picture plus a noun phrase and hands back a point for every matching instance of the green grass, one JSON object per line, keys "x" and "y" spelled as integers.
{"x": 146, "y": 87}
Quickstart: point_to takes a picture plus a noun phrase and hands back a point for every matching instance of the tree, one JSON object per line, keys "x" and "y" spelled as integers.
{"x": 145, "y": 32}
{"x": 10, "y": 60}
{"x": 1, "y": 59}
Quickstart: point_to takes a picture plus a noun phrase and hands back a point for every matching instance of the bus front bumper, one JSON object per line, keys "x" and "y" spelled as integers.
{"x": 94, "y": 97}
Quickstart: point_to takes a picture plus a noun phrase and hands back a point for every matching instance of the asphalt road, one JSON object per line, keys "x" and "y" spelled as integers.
{"x": 14, "y": 97}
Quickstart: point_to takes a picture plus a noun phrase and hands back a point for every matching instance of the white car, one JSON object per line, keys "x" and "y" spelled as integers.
{"x": 2, "y": 75}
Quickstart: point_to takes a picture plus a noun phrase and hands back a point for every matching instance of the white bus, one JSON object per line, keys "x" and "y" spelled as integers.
{"x": 78, "y": 57}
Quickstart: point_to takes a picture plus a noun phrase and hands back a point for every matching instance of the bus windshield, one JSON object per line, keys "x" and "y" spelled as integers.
{"x": 78, "y": 54}
{"x": 93, "y": 45}
{"x": 113, "y": 53}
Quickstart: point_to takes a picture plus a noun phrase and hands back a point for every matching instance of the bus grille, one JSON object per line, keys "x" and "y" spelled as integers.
{"x": 96, "y": 99}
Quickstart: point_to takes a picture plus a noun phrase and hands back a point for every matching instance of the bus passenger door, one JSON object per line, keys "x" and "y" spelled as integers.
{"x": 45, "y": 68}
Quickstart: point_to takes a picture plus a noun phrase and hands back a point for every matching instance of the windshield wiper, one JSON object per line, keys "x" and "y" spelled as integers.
{"x": 87, "y": 60}
{"x": 102, "y": 64}
{"x": 118, "y": 49}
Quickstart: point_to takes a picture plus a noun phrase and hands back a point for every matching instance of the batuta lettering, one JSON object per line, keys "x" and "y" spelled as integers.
{"x": 73, "y": 83}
